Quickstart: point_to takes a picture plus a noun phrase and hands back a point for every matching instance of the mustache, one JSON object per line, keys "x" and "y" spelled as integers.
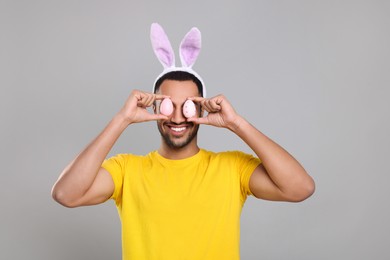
{"x": 178, "y": 124}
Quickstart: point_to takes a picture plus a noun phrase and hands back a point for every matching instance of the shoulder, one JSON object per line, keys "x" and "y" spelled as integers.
{"x": 128, "y": 158}
{"x": 225, "y": 153}
{"x": 122, "y": 157}
{"x": 228, "y": 155}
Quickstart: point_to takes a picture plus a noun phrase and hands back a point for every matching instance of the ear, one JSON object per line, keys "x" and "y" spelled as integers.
{"x": 190, "y": 47}
{"x": 162, "y": 46}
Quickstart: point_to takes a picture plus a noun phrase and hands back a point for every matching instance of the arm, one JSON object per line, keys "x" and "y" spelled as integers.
{"x": 279, "y": 177}
{"x": 83, "y": 181}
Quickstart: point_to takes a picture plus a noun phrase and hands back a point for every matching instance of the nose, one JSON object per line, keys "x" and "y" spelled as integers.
{"x": 177, "y": 115}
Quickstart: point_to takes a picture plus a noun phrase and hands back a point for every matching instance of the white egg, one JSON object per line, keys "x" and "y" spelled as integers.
{"x": 189, "y": 109}
{"x": 166, "y": 107}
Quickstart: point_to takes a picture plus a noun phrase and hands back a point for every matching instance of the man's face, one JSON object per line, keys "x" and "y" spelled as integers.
{"x": 176, "y": 131}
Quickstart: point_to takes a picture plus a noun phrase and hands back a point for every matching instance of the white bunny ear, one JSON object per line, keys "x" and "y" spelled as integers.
{"x": 190, "y": 47}
{"x": 162, "y": 46}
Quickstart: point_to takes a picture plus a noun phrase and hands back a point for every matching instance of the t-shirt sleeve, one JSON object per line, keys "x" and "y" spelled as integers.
{"x": 246, "y": 164}
{"x": 116, "y": 167}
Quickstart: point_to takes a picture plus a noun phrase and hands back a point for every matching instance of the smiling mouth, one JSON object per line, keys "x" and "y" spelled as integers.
{"x": 178, "y": 129}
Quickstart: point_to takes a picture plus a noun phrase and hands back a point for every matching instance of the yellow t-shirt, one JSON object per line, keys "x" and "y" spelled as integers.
{"x": 181, "y": 209}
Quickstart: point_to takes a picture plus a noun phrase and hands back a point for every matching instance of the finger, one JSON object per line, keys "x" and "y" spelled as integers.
{"x": 157, "y": 117}
{"x": 197, "y": 99}
{"x": 149, "y": 100}
{"x": 215, "y": 105}
{"x": 141, "y": 96}
{"x": 145, "y": 100}
{"x": 160, "y": 97}
{"x": 207, "y": 105}
{"x": 160, "y": 117}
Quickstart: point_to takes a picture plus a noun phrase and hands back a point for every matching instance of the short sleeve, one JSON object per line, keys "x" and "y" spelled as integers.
{"x": 116, "y": 166}
{"x": 246, "y": 164}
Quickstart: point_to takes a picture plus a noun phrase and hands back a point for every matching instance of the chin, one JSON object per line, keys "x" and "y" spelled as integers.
{"x": 178, "y": 142}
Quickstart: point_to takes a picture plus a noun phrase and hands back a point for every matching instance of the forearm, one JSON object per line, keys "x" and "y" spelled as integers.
{"x": 78, "y": 176}
{"x": 280, "y": 177}
{"x": 282, "y": 168}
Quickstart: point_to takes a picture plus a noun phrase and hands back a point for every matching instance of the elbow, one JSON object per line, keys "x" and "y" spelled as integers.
{"x": 61, "y": 197}
{"x": 303, "y": 191}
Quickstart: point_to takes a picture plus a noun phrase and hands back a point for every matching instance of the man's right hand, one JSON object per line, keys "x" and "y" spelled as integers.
{"x": 83, "y": 182}
{"x": 135, "y": 108}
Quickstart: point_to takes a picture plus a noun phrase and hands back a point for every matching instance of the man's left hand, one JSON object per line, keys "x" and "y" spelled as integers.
{"x": 220, "y": 112}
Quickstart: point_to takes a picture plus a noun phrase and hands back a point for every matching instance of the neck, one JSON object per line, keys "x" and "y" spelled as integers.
{"x": 178, "y": 153}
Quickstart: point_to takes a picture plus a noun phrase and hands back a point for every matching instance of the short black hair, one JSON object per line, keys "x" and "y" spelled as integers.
{"x": 179, "y": 76}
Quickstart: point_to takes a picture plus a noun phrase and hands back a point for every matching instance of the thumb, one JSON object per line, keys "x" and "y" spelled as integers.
{"x": 152, "y": 117}
{"x": 199, "y": 120}
{"x": 158, "y": 117}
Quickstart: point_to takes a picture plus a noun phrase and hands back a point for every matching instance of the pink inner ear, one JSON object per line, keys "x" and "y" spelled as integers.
{"x": 190, "y": 47}
{"x": 162, "y": 46}
{"x": 164, "y": 57}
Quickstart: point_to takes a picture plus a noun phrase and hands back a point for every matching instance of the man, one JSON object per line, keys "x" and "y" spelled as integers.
{"x": 181, "y": 201}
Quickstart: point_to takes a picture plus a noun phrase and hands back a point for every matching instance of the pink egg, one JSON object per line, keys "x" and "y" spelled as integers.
{"x": 189, "y": 109}
{"x": 166, "y": 107}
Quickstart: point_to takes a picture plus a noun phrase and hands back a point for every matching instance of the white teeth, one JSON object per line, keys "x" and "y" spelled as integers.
{"x": 178, "y": 129}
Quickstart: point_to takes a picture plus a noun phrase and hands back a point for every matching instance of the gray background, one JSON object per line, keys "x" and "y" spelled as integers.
{"x": 312, "y": 75}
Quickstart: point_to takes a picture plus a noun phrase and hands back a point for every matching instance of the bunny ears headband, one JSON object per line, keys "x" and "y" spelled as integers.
{"x": 189, "y": 51}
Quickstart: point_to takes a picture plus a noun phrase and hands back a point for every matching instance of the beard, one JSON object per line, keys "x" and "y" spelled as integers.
{"x": 178, "y": 142}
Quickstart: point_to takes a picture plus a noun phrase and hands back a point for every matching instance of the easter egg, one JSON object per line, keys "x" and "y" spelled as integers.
{"x": 166, "y": 107}
{"x": 189, "y": 109}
